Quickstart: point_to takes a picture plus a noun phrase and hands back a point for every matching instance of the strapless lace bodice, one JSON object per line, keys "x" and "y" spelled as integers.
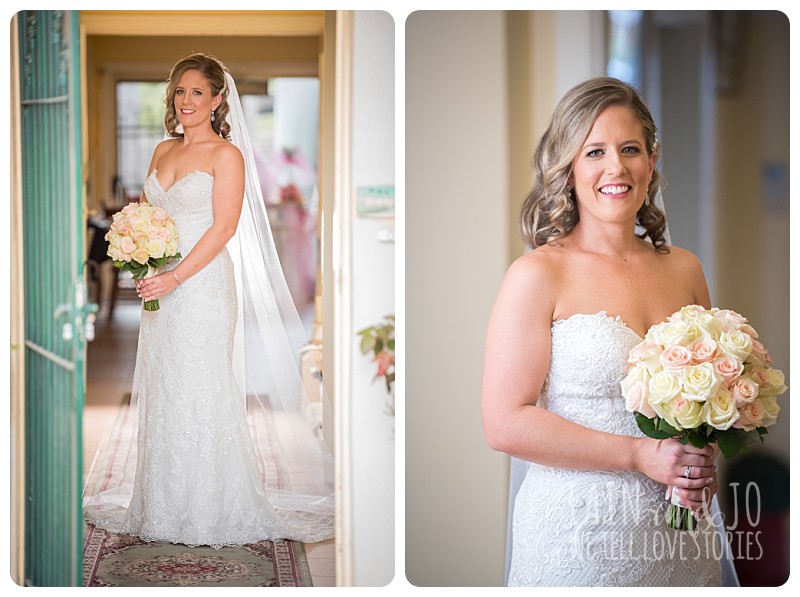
{"x": 587, "y": 362}
{"x": 599, "y": 528}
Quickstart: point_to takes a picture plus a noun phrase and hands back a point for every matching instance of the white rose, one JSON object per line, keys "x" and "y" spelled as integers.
{"x": 156, "y": 247}
{"x": 171, "y": 248}
{"x": 669, "y": 333}
{"x": 719, "y": 411}
{"x": 736, "y": 343}
{"x": 701, "y": 380}
{"x": 771, "y": 410}
{"x": 704, "y": 325}
{"x": 681, "y": 413}
{"x": 775, "y": 382}
{"x": 664, "y": 386}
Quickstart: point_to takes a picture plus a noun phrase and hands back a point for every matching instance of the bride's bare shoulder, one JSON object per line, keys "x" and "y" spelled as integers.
{"x": 686, "y": 266}
{"x": 535, "y": 273}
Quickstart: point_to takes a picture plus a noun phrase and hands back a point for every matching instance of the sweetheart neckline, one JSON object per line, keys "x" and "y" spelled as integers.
{"x": 603, "y": 315}
{"x": 178, "y": 181}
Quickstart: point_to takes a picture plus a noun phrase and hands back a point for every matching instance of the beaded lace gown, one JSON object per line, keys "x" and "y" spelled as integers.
{"x": 599, "y": 528}
{"x": 197, "y": 480}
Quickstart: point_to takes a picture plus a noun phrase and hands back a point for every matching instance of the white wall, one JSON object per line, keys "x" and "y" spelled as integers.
{"x": 456, "y": 254}
{"x": 373, "y": 446}
{"x": 478, "y": 83}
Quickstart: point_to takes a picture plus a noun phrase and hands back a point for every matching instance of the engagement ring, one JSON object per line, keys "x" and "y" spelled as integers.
{"x": 687, "y": 472}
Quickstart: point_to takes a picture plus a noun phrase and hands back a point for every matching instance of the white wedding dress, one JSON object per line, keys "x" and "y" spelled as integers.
{"x": 197, "y": 480}
{"x": 597, "y": 528}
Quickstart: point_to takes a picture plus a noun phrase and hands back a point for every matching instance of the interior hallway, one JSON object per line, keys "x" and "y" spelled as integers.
{"x": 110, "y": 363}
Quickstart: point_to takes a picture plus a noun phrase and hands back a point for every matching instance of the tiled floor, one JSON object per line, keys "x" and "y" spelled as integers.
{"x": 109, "y": 374}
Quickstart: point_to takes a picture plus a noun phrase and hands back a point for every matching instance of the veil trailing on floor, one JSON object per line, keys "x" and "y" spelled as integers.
{"x": 266, "y": 360}
{"x": 518, "y": 468}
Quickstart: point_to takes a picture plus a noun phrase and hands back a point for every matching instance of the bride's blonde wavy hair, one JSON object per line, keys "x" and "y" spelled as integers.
{"x": 214, "y": 72}
{"x": 546, "y": 216}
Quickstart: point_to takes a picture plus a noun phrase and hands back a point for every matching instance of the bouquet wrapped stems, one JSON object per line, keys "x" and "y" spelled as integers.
{"x": 151, "y": 271}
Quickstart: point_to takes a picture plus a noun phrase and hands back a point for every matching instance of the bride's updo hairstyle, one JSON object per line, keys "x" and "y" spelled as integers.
{"x": 549, "y": 212}
{"x": 214, "y": 72}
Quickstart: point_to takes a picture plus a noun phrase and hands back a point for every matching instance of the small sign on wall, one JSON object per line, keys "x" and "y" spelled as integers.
{"x": 375, "y": 201}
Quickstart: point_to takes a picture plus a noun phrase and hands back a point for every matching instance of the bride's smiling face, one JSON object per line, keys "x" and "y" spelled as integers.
{"x": 194, "y": 99}
{"x": 612, "y": 170}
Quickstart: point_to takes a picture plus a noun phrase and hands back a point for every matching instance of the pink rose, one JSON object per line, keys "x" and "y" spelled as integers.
{"x": 744, "y": 391}
{"x": 731, "y": 320}
{"x": 163, "y": 234}
{"x": 751, "y": 415}
{"x": 728, "y": 368}
{"x": 643, "y": 351}
{"x": 760, "y": 353}
{"x": 154, "y": 232}
{"x": 634, "y": 389}
{"x": 749, "y": 330}
{"x": 127, "y": 245}
{"x": 646, "y": 353}
{"x": 676, "y": 357}
{"x": 159, "y": 215}
{"x": 759, "y": 376}
{"x": 703, "y": 350}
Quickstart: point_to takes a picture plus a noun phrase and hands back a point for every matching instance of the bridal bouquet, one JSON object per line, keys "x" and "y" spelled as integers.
{"x": 141, "y": 239}
{"x": 703, "y": 376}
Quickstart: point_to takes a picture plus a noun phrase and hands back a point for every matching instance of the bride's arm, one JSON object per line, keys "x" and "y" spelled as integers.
{"x": 516, "y": 361}
{"x": 226, "y": 207}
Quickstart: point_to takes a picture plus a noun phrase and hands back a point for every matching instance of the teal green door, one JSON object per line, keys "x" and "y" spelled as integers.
{"x": 55, "y": 297}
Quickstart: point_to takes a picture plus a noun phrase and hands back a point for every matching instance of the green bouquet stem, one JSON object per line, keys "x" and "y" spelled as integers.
{"x": 681, "y": 518}
{"x": 152, "y": 305}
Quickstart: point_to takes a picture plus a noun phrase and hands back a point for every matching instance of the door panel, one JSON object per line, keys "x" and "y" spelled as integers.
{"x": 55, "y": 297}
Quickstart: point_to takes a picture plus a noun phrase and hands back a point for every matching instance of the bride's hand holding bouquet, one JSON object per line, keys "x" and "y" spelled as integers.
{"x": 703, "y": 377}
{"x": 141, "y": 239}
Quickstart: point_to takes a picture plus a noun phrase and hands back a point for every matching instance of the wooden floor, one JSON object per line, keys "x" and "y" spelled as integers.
{"x": 109, "y": 375}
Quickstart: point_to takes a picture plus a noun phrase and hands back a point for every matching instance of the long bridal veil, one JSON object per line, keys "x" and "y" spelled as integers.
{"x": 266, "y": 360}
{"x": 518, "y": 468}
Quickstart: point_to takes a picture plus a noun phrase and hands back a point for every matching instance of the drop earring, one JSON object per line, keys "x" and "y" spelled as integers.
{"x": 570, "y": 195}
{"x": 212, "y": 115}
{"x": 647, "y": 198}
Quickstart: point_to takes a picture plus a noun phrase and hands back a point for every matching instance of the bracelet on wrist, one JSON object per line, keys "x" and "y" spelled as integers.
{"x": 174, "y": 275}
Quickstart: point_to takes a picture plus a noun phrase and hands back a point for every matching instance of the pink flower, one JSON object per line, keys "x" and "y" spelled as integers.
{"x": 744, "y": 390}
{"x": 647, "y": 352}
{"x": 703, "y": 350}
{"x": 728, "y": 368}
{"x": 751, "y": 415}
{"x": 749, "y": 330}
{"x": 127, "y": 245}
{"x": 385, "y": 361}
{"x": 731, "y": 320}
{"x": 759, "y": 376}
{"x": 760, "y": 353}
{"x": 676, "y": 357}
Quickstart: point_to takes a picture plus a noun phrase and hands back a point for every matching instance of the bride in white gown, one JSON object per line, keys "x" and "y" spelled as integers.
{"x": 226, "y": 327}
{"x": 590, "y": 510}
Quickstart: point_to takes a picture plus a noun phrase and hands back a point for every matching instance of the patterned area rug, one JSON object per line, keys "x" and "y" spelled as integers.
{"x": 122, "y": 560}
